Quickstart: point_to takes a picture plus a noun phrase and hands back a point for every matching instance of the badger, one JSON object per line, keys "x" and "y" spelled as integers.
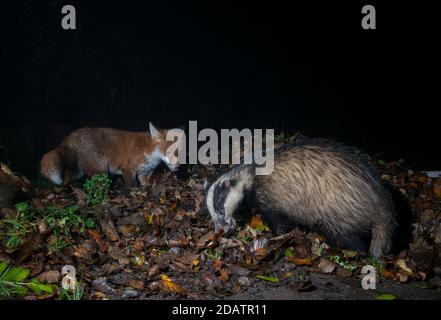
{"x": 317, "y": 184}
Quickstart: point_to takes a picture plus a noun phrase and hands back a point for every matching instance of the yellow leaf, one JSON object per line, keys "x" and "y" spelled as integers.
{"x": 169, "y": 285}
{"x": 404, "y": 268}
{"x": 255, "y": 222}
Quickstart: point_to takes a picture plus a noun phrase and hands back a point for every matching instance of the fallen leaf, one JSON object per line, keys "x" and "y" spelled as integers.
{"x": 343, "y": 272}
{"x": 223, "y": 275}
{"x": 52, "y": 276}
{"x": 326, "y": 266}
{"x": 402, "y": 276}
{"x": 303, "y": 286}
{"x": 349, "y": 253}
{"x": 169, "y": 285}
{"x": 117, "y": 254}
{"x": 269, "y": 279}
{"x": 385, "y": 296}
{"x": 109, "y": 229}
{"x": 136, "y": 284}
{"x": 299, "y": 261}
{"x": 103, "y": 247}
{"x": 401, "y": 263}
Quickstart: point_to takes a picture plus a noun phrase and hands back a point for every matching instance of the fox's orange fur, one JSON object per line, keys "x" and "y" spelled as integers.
{"x": 89, "y": 151}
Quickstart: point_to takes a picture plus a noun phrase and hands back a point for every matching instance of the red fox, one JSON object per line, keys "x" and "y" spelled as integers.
{"x": 89, "y": 151}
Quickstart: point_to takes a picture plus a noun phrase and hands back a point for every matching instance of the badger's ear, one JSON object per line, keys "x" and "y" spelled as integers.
{"x": 156, "y": 135}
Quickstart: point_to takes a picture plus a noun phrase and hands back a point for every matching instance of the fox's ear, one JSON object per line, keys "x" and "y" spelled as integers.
{"x": 154, "y": 132}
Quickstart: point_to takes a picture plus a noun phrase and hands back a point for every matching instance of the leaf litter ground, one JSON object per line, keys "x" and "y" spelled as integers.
{"x": 155, "y": 243}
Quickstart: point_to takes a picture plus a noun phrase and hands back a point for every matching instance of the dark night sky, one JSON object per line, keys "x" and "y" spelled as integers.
{"x": 226, "y": 64}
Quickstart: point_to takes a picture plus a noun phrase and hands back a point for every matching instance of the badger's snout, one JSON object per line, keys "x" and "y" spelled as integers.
{"x": 227, "y": 226}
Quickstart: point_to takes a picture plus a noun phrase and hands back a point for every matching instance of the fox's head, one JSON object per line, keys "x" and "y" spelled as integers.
{"x": 166, "y": 151}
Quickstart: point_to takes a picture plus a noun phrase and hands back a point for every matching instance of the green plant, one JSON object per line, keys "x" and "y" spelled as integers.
{"x": 320, "y": 248}
{"x": 97, "y": 189}
{"x": 75, "y": 294}
{"x": 12, "y": 282}
{"x": 378, "y": 265}
{"x": 342, "y": 263}
{"x": 289, "y": 252}
{"x": 62, "y": 222}
{"x": 18, "y": 227}
{"x": 269, "y": 279}
{"x": 213, "y": 254}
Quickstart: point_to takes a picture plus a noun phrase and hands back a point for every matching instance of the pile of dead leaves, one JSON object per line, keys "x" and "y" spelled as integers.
{"x": 422, "y": 197}
{"x": 155, "y": 243}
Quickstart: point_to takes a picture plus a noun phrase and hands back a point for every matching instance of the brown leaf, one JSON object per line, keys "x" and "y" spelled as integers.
{"x": 31, "y": 246}
{"x": 300, "y": 261}
{"x": 437, "y": 188}
{"x": 85, "y": 250}
{"x": 343, "y": 272}
{"x": 326, "y": 266}
{"x": 154, "y": 270}
{"x": 52, "y": 276}
{"x": 389, "y": 275}
{"x": 109, "y": 229}
{"x": 127, "y": 230}
{"x": 205, "y": 239}
{"x": 223, "y": 275}
{"x": 103, "y": 247}
{"x": 303, "y": 286}
{"x": 136, "y": 284}
{"x": 117, "y": 254}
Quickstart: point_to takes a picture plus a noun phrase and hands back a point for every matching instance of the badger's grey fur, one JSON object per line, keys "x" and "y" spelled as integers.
{"x": 316, "y": 183}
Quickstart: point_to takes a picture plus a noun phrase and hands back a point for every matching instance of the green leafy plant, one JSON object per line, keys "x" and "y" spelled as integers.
{"x": 385, "y": 296}
{"x": 342, "y": 263}
{"x": 288, "y": 252}
{"x": 213, "y": 254}
{"x": 12, "y": 282}
{"x": 62, "y": 222}
{"x": 97, "y": 190}
{"x": 75, "y": 294}
{"x": 378, "y": 265}
{"x": 269, "y": 279}
{"x": 18, "y": 227}
{"x": 320, "y": 249}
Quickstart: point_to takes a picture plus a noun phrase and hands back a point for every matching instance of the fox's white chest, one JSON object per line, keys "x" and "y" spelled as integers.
{"x": 150, "y": 163}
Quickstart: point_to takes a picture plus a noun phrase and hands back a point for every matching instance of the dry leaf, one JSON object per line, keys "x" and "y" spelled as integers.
{"x": 326, "y": 266}
{"x": 300, "y": 261}
{"x": 169, "y": 285}
{"x": 403, "y": 267}
{"x": 117, "y": 254}
{"x": 97, "y": 237}
{"x": 223, "y": 275}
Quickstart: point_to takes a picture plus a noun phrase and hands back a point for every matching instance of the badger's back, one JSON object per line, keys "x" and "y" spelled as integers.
{"x": 323, "y": 185}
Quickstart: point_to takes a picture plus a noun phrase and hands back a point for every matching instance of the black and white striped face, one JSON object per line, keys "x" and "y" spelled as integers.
{"x": 222, "y": 199}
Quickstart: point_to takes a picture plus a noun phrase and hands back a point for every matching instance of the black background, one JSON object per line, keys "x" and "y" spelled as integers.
{"x": 293, "y": 67}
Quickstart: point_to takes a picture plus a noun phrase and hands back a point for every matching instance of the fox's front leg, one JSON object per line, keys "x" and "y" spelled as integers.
{"x": 128, "y": 177}
{"x": 144, "y": 179}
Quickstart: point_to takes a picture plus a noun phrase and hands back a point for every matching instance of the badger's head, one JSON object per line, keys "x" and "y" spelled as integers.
{"x": 224, "y": 196}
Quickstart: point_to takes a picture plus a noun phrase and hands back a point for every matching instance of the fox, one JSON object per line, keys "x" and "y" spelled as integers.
{"x": 90, "y": 151}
